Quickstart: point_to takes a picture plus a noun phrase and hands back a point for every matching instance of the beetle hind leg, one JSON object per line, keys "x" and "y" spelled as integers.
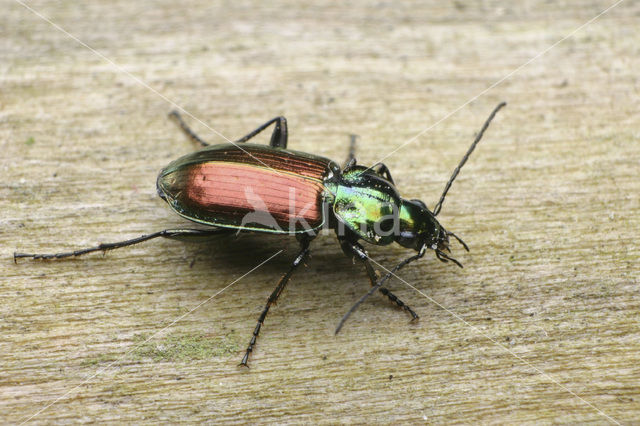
{"x": 177, "y": 118}
{"x": 183, "y": 234}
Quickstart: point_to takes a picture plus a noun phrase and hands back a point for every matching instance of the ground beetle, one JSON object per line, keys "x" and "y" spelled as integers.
{"x": 247, "y": 187}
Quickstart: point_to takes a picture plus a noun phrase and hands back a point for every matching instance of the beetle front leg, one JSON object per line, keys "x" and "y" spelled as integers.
{"x": 383, "y": 171}
{"x": 167, "y": 233}
{"x": 351, "y": 156}
{"x": 302, "y": 255}
{"x": 355, "y": 250}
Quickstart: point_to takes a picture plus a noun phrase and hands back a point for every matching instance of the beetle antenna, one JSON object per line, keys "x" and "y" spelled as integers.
{"x": 438, "y": 206}
{"x": 379, "y": 284}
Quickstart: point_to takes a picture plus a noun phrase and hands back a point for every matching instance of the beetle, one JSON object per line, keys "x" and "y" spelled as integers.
{"x": 245, "y": 187}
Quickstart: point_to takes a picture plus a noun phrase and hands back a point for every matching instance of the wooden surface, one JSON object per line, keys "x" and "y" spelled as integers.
{"x": 549, "y": 205}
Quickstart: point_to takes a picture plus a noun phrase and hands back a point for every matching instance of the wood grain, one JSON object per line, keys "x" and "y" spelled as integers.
{"x": 545, "y": 309}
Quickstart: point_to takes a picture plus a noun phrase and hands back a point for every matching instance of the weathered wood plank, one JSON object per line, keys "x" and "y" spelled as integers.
{"x": 549, "y": 206}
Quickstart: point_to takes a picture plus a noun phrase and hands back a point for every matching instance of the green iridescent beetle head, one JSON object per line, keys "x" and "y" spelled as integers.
{"x": 419, "y": 227}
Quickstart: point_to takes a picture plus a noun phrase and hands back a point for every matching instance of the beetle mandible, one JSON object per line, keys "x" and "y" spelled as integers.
{"x": 257, "y": 188}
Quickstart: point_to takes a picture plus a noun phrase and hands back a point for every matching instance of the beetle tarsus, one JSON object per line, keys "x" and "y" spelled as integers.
{"x": 245, "y": 360}
{"x": 355, "y": 250}
{"x": 399, "y": 302}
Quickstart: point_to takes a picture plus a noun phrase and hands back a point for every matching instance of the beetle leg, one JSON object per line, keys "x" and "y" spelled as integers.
{"x": 378, "y": 285}
{"x": 351, "y": 156}
{"x": 279, "y": 136}
{"x": 355, "y": 250}
{"x": 302, "y": 255}
{"x": 383, "y": 171}
{"x": 167, "y": 233}
{"x": 177, "y": 118}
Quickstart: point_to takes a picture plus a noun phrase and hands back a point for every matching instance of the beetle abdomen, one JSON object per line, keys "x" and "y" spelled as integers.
{"x": 272, "y": 190}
